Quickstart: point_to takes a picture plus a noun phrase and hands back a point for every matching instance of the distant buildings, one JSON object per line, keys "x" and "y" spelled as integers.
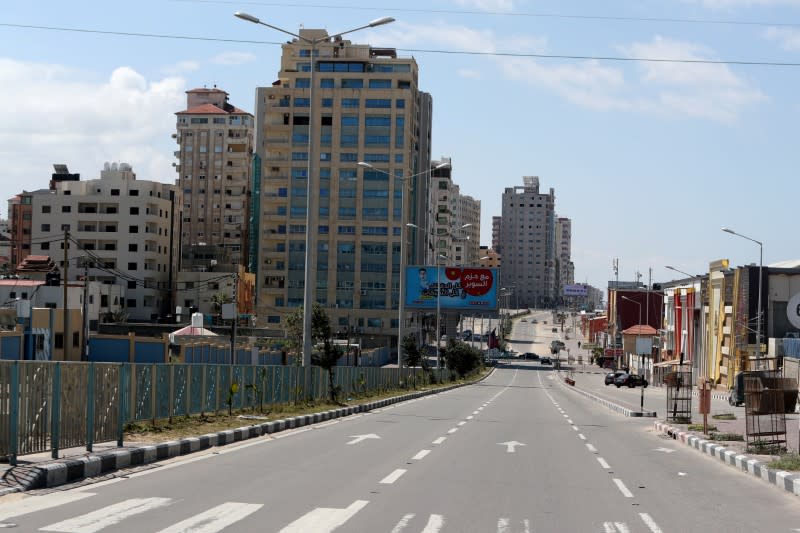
{"x": 527, "y": 243}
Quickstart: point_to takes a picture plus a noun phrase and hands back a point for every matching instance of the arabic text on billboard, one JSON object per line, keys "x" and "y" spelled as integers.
{"x": 575, "y": 290}
{"x": 456, "y": 288}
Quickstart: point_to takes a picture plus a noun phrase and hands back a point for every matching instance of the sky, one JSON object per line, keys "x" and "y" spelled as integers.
{"x": 656, "y": 122}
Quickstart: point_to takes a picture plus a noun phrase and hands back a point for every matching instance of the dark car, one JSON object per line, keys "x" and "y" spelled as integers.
{"x": 631, "y": 380}
{"x": 530, "y": 356}
{"x": 612, "y": 376}
{"x": 546, "y": 361}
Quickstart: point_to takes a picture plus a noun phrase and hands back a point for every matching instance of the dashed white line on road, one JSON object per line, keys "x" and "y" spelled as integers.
{"x": 569, "y": 421}
{"x": 565, "y": 415}
{"x": 324, "y": 519}
{"x": 622, "y": 488}
{"x": 394, "y": 476}
{"x": 108, "y": 516}
{"x": 421, "y": 455}
{"x": 461, "y": 423}
{"x": 470, "y": 417}
{"x": 434, "y": 525}
{"x": 215, "y": 519}
{"x": 440, "y": 440}
{"x": 591, "y": 448}
{"x": 650, "y": 523}
{"x": 401, "y": 525}
{"x": 581, "y": 436}
{"x": 603, "y": 463}
{"x": 575, "y": 428}
{"x": 451, "y": 431}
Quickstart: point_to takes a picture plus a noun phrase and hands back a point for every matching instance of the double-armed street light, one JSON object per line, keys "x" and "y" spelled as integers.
{"x": 758, "y": 311}
{"x": 312, "y": 208}
{"x": 401, "y": 301}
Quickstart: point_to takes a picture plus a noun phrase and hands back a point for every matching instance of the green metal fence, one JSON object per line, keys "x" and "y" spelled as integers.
{"x": 49, "y": 406}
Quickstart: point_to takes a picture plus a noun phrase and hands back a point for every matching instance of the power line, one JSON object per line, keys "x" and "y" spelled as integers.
{"x": 432, "y": 50}
{"x": 671, "y": 20}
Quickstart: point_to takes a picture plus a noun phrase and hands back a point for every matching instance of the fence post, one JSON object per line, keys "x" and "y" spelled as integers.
{"x": 90, "y": 409}
{"x": 12, "y": 422}
{"x": 171, "y": 390}
{"x": 188, "y": 389}
{"x": 216, "y": 390}
{"x": 153, "y": 392}
{"x": 55, "y": 412}
{"x": 203, "y": 389}
{"x": 123, "y": 397}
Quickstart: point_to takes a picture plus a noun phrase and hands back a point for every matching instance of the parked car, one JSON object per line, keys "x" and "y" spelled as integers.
{"x": 546, "y": 361}
{"x": 612, "y": 376}
{"x": 631, "y": 380}
{"x": 530, "y": 356}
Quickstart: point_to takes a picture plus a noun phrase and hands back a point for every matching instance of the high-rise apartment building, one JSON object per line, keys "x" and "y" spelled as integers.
{"x": 497, "y": 222}
{"x": 215, "y": 142}
{"x": 467, "y": 221}
{"x": 527, "y": 241}
{"x": 370, "y": 110}
{"x": 124, "y": 230}
{"x": 565, "y": 266}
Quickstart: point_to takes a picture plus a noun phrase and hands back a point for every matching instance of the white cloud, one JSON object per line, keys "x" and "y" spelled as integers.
{"x": 233, "y": 58}
{"x": 58, "y": 116}
{"x": 487, "y": 5}
{"x": 789, "y": 38}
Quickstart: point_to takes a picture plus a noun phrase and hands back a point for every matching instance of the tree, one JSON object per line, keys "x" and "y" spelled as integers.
{"x": 218, "y": 300}
{"x": 320, "y": 327}
{"x": 461, "y": 357}
{"x": 412, "y": 357}
{"x": 327, "y": 360}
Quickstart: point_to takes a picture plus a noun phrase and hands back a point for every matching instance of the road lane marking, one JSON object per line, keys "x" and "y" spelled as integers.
{"x": 565, "y": 415}
{"x": 34, "y": 504}
{"x": 575, "y": 428}
{"x": 440, "y": 440}
{"x": 502, "y": 525}
{"x": 401, "y": 525}
{"x": 474, "y": 412}
{"x": 591, "y": 448}
{"x": 324, "y": 519}
{"x": 603, "y": 463}
{"x": 107, "y": 516}
{"x": 451, "y": 431}
{"x": 615, "y": 527}
{"x": 581, "y": 436}
{"x": 622, "y": 488}
{"x": 470, "y": 417}
{"x": 650, "y": 523}
{"x": 434, "y": 525}
{"x": 359, "y": 438}
{"x": 461, "y": 423}
{"x": 569, "y": 421}
{"x": 394, "y": 476}
{"x": 215, "y": 519}
{"x": 421, "y": 455}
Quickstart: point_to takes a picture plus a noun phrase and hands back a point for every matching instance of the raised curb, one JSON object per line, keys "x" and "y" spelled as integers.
{"x": 609, "y": 404}
{"x": 61, "y": 471}
{"x": 783, "y": 480}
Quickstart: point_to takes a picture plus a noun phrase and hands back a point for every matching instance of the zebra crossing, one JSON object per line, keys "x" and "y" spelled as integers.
{"x": 122, "y": 516}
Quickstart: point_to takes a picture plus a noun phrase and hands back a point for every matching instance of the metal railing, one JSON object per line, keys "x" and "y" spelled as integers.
{"x": 50, "y": 406}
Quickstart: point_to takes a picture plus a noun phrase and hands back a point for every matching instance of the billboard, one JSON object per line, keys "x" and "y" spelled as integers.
{"x": 575, "y": 290}
{"x": 471, "y": 288}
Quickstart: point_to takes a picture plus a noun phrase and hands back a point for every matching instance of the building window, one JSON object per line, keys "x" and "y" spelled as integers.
{"x": 45, "y": 209}
{"x": 130, "y": 303}
{"x": 132, "y": 266}
{"x": 134, "y": 210}
{"x": 133, "y": 192}
{"x": 133, "y": 229}
{"x": 45, "y": 227}
{"x": 132, "y": 247}
{"x": 114, "y": 192}
{"x": 66, "y": 208}
{"x": 45, "y": 246}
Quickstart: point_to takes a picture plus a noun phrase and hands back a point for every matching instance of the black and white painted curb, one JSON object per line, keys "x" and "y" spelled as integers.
{"x": 61, "y": 471}
{"x": 627, "y": 411}
{"x": 784, "y": 480}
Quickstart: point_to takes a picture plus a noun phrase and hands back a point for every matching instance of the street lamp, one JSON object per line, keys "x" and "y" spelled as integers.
{"x": 641, "y": 356}
{"x": 312, "y": 209}
{"x": 438, "y": 311}
{"x": 758, "y": 312}
{"x": 401, "y": 302}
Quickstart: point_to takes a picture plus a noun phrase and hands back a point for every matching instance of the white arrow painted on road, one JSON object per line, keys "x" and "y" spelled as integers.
{"x": 665, "y": 450}
{"x": 359, "y": 438}
{"x": 511, "y": 445}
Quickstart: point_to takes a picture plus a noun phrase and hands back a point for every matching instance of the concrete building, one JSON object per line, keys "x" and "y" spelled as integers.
{"x": 497, "y": 222}
{"x": 5, "y": 246}
{"x": 119, "y": 229}
{"x": 370, "y": 110}
{"x": 214, "y": 169}
{"x": 489, "y": 258}
{"x": 527, "y": 241}
{"x": 467, "y": 240}
{"x": 565, "y": 269}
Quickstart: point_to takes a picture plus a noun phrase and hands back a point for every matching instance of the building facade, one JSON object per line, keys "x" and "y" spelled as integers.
{"x": 467, "y": 221}
{"x": 215, "y": 146}
{"x": 118, "y": 229}
{"x": 565, "y": 267}
{"x": 527, "y": 243}
{"x": 370, "y": 111}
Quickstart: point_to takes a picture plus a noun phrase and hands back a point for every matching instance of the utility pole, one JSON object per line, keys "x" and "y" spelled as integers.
{"x": 235, "y": 314}
{"x": 85, "y": 346}
{"x": 66, "y": 314}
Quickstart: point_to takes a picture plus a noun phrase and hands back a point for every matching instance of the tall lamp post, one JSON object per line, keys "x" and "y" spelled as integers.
{"x": 641, "y": 356}
{"x": 438, "y": 311}
{"x": 312, "y": 209}
{"x": 758, "y": 311}
{"x": 401, "y": 301}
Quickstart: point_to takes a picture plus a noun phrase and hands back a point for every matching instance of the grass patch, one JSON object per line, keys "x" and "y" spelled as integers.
{"x": 699, "y": 427}
{"x": 724, "y": 416}
{"x": 183, "y": 426}
{"x": 789, "y": 461}
{"x": 727, "y": 436}
{"x": 760, "y": 447}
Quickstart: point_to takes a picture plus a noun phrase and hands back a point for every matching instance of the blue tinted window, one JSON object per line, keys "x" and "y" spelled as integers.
{"x": 375, "y": 175}
{"x": 282, "y": 192}
{"x": 346, "y": 157}
{"x": 378, "y": 120}
{"x": 299, "y": 156}
{"x": 326, "y": 83}
{"x": 352, "y": 83}
{"x": 400, "y": 103}
{"x": 302, "y": 83}
{"x": 398, "y": 158}
{"x": 298, "y": 172}
{"x": 327, "y": 102}
{"x": 347, "y": 212}
{"x": 350, "y": 120}
{"x": 380, "y": 84}
{"x": 350, "y": 102}
{"x": 382, "y": 103}
{"x": 376, "y": 158}
{"x": 302, "y": 102}
{"x": 376, "y": 140}
{"x": 348, "y": 140}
